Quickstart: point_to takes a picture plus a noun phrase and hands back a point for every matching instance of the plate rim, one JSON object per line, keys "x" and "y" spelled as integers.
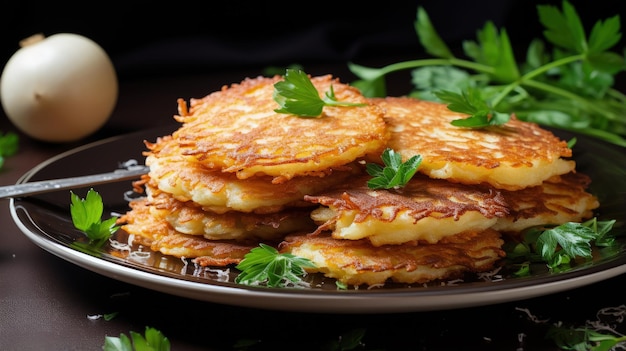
{"x": 313, "y": 301}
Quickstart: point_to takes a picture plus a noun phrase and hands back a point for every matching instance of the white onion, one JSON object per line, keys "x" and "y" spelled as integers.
{"x": 59, "y": 88}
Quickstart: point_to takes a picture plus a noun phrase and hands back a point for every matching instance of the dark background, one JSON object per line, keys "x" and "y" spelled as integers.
{"x": 208, "y": 44}
{"x": 156, "y": 38}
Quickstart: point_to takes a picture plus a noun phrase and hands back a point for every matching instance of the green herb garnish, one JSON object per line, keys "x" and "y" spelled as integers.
{"x": 8, "y": 146}
{"x": 271, "y": 71}
{"x": 568, "y": 87}
{"x": 395, "y": 174}
{"x": 154, "y": 340}
{"x": 87, "y": 217}
{"x": 297, "y": 95}
{"x": 341, "y": 285}
{"x": 470, "y": 102}
{"x": 559, "y": 245}
{"x": 583, "y": 339}
{"x": 109, "y": 316}
{"x": 350, "y": 340}
{"x": 265, "y": 265}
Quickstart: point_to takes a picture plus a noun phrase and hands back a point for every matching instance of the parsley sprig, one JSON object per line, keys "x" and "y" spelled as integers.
{"x": 265, "y": 265}
{"x": 481, "y": 114}
{"x": 395, "y": 174}
{"x": 568, "y": 87}
{"x": 583, "y": 339}
{"x": 297, "y": 95}
{"x": 558, "y": 246}
{"x": 8, "y": 146}
{"x": 153, "y": 340}
{"x": 87, "y": 217}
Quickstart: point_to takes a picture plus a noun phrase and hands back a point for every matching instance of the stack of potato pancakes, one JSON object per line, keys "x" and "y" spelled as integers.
{"x": 236, "y": 173}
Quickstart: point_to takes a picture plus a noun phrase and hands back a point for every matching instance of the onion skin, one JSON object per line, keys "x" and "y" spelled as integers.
{"x": 60, "y": 88}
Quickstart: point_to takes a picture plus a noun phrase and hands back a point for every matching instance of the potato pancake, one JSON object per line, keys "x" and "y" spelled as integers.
{"x": 357, "y": 262}
{"x": 188, "y": 180}
{"x": 237, "y": 131}
{"x": 159, "y": 236}
{"x": 236, "y": 173}
{"x": 189, "y": 218}
{"x": 512, "y": 156}
{"x": 558, "y": 200}
{"x": 425, "y": 210}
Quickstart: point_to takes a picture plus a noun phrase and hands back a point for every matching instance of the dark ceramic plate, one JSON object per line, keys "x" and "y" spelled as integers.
{"x": 45, "y": 219}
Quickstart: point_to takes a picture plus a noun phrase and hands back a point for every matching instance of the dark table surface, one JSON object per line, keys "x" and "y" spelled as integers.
{"x": 47, "y": 303}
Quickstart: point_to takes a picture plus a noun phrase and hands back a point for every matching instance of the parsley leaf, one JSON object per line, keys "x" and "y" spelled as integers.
{"x": 563, "y": 29}
{"x": 583, "y": 339}
{"x": 8, "y": 145}
{"x": 265, "y": 265}
{"x": 557, "y": 246}
{"x": 350, "y": 340}
{"x": 86, "y": 216}
{"x": 493, "y": 49}
{"x": 297, "y": 95}
{"x": 569, "y": 87}
{"x": 471, "y": 103}
{"x": 428, "y": 36}
{"x": 154, "y": 340}
{"x": 574, "y": 240}
{"x": 395, "y": 174}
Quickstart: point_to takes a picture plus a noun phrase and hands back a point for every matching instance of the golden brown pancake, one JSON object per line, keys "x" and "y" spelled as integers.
{"x": 189, "y": 218}
{"x": 424, "y": 210}
{"x": 159, "y": 236}
{"x": 356, "y": 262}
{"x": 188, "y": 180}
{"x": 513, "y": 156}
{"x": 558, "y": 200}
{"x": 237, "y": 173}
{"x": 236, "y": 130}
